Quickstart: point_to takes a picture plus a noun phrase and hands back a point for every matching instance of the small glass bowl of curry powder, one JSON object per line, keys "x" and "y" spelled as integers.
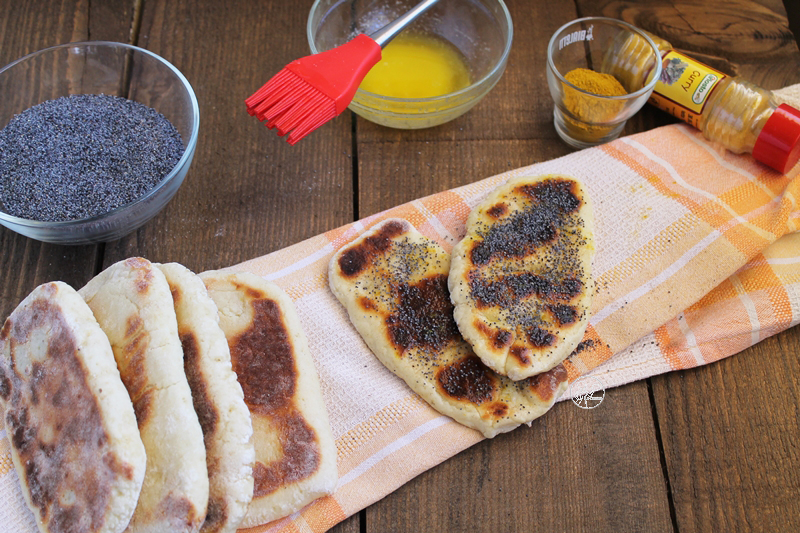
{"x": 591, "y": 105}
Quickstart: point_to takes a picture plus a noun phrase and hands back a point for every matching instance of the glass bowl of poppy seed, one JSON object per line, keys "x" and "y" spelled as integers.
{"x": 96, "y": 139}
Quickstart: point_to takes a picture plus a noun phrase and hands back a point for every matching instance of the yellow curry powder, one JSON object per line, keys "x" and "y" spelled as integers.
{"x": 588, "y": 111}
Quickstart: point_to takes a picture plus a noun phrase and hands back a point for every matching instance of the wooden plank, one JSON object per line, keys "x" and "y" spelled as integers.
{"x": 573, "y": 470}
{"x": 726, "y": 436}
{"x": 532, "y": 479}
{"x": 27, "y": 27}
{"x": 741, "y": 38}
{"x": 730, "y": 432}
{"x": 248, "y": 192}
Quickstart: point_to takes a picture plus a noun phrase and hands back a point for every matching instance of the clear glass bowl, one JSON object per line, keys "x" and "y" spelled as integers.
{"x": 480, "y": 29}
{"x": 584, "y": 119}
{"x": 99, "y": 67}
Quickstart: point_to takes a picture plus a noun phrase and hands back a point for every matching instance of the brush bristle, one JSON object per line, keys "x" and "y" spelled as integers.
{"x": 292, "y": 105}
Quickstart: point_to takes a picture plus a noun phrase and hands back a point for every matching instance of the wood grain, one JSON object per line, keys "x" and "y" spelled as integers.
{"x": 730, "y": 439}
{"x": 248, "y": 192}
{"x": 741, "y": 37}
{"x": 27, "y": 27}
{"x": 573, "y": 470}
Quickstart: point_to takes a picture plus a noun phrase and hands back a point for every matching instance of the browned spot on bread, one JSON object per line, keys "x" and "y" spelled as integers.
{"x": 467, "y": 380}
{"x": 360, "y": 256}
{"x": 5, "y": 384}
{"x": 216, "y": 514}
{"x": 556, "y": 193}
{"x": 509, "y": 290}
{"x": 563, "y": 314}
{"x": 176, "y": 293}
{"x": 424, "y": 315}
{"x": 498, "y": 409}
{"x": 5, "y": 330}
{"x": 497, "y": 210}
{"x": 501, "y": 338}
{"x": 521, "y": 354}
{"x": 132, "y": 325}
{"x": 545, "y": 384}
{"x": 552, "y": 203}
{"x": 54, "y": 423}
{"x": 250, "y": 292}
{"x": 367, "y": 304}
{"x": 132, "y": 361}
{"x": 180, "y": 507}
{"x": 300, "y": 459}
{"x": 540, "y": 338}
{"x": 143, "y": 407}
{"x": 144, "y": 273}
{"x": 479, "y": 325}
{"x": 203, "y": 406}
{"x": 263, "y": 359}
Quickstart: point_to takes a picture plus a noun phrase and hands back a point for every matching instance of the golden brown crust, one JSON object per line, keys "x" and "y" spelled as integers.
{"x": 217, "y": 398}
{"x": 133, "y": 304}
{"x": 76, "y": 448}
{"x": 521, "y": 277}
{"x": 399, "y": 302}
{"x": 295, "y": 452}
{"x": 263, "y": 357}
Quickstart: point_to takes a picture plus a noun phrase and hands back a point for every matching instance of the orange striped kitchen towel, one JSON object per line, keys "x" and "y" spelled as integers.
{"x": 697, "y": 259}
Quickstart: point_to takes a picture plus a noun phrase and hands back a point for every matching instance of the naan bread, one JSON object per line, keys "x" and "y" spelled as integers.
{"x": 132, "y": 303}
{"x": 74, "y": 440}
{"x": 521, "y": 277}
{"x": 217, "y": 398}
{"x": 295, "y": 451}
{"x": 393, "y": 282}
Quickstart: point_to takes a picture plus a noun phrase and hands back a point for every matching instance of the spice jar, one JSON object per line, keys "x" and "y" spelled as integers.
{"x": 741, "y": 116}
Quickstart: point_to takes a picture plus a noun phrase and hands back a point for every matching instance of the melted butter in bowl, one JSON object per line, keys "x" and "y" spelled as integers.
{"x": 433, "y": 72}
{"x": 418, "y": 66}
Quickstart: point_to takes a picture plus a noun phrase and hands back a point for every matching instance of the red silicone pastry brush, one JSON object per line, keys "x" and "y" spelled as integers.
{"x": 312, "y": 90}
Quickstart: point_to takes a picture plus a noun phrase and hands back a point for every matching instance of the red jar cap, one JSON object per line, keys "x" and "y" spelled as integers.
{"x": 778, "y": 144}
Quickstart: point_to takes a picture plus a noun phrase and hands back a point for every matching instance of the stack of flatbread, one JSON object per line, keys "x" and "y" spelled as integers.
{"x": 131, "y": 404}
{"x": 480, "y": 335}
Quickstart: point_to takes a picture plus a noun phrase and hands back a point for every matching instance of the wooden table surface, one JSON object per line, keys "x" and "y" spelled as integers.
{"x": 710, "y": 449}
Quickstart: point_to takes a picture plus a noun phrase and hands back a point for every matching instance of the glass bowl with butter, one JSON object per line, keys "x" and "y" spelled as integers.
{"x": 434, "y": 71}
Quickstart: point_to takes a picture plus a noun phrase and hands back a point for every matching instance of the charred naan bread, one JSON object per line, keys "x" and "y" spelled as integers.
{"x": 295, "y": 451}
{"x": 217, "y": 398}
{"x": 521, "y": 277}
{"x": 393, "y": 282}
{"x": 132, "y": 303}
{"x": 74, "y": 440}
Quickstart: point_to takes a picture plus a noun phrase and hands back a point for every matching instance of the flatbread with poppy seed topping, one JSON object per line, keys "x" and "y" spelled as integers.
{"x": 295, "y": 459}
{"x": 393, "y": 283}
{"x": 70, "y": 421}
{"x": 521, "y": 279}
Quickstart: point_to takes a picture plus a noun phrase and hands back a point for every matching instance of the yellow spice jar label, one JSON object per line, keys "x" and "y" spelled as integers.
{"x": 684, "y": 87}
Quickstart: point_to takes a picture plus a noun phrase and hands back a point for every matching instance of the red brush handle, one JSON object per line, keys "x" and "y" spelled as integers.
{"x": 339, "y": 71}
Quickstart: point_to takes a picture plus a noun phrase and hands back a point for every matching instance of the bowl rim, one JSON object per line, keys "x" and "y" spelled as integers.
{"x": 432, "y": 99}
{"x": 644, "y": 90}
{"x": 188, "y": 152}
